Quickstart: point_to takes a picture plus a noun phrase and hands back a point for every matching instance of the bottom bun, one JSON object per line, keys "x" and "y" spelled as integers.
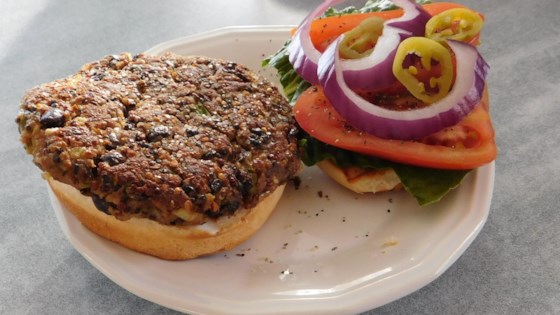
{"x": 168, "y": 242}
{"x": 360, "y": 180}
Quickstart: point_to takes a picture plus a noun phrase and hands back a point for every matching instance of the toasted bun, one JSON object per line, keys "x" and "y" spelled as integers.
{"x": 167, "y": 242}
{"x": 360, "y": 180}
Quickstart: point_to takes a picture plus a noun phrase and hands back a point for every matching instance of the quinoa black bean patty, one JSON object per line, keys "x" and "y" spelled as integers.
{"x": 173, "y": 139}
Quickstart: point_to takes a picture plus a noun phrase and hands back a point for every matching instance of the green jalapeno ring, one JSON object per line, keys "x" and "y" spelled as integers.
{"x": 359, "y": 41}
{"x": 428, "y": 50}
{"x": 458, "y": 24}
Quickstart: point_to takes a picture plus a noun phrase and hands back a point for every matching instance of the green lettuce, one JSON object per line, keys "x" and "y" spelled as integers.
{"x": 292, "y": 84}
{"x": 426, "y": 185}
{"x": 369, "y": 6}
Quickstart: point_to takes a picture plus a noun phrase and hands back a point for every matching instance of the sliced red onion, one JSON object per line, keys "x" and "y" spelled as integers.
{"x": 375, "y": 71}
{"x": 303, "y": 54}
{"x": 466, "y": 93}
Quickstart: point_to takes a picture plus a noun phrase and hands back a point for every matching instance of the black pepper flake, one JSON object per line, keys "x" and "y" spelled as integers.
{"x": 320, "y": 194}
{"x": 388, "y": 210}
{"x": 240, "y": 255}
{"x": 343, "y": 219}
{"x": 334, "y": 248}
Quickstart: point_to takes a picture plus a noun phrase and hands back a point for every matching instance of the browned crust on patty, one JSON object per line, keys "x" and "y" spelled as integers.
{"x": 174, "y": 139}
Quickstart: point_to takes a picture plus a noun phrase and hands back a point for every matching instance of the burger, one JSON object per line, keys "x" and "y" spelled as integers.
{"x": 171, "y": 156}
{"x": 390, "y": 96}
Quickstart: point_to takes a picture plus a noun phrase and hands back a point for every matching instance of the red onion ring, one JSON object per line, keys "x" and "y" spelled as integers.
{"x": 375, "y": 71}
{"x": 405, "y": 125}
{"x": 414, "y": 18}
{"x": 302, "y": 53}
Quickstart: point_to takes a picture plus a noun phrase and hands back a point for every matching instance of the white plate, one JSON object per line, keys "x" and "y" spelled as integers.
{"x": 324, "y": 251}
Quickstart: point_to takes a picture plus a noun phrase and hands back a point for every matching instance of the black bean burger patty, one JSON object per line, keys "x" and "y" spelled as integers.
{"x": 170, "y": 138}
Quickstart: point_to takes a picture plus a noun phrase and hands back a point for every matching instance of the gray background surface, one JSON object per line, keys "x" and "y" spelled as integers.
{"x": 513, "y": 267}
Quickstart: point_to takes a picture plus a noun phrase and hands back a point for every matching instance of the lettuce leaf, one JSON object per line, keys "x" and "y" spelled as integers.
{"x": 426, "y": 185}
{"x": 369, "y": 6}
{"x": 292, "y": 84}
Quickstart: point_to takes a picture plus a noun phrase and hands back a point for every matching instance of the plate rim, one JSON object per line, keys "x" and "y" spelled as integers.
{"x": 161, "y": 47}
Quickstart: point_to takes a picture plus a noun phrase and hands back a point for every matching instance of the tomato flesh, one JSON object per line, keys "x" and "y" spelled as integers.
{"x": 467, "y": 145}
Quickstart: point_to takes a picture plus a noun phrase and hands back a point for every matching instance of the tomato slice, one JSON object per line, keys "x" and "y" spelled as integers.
{"x": 467, "y": 145}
